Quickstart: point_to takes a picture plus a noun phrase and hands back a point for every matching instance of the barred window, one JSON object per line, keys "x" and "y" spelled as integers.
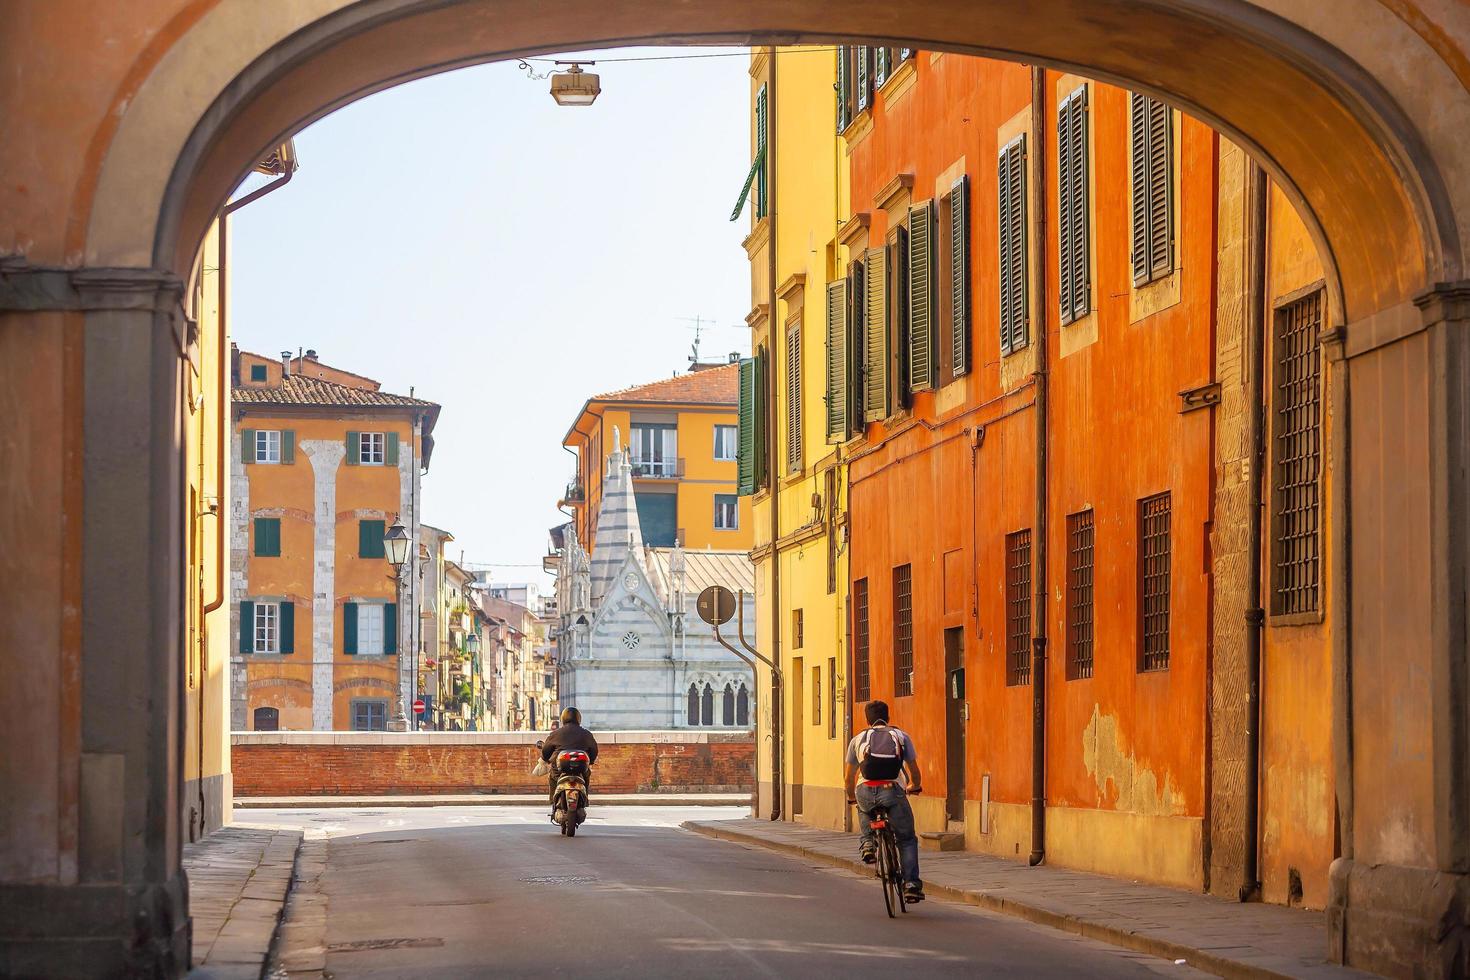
{"x": 903, "y": 631}
{"x": 1079, "y": 595}
{"x": 1153, "y": 582}
{"x": 1018, "y": 607}
{"x": 861, "y": 688}
{"x": 1296, "y": 423}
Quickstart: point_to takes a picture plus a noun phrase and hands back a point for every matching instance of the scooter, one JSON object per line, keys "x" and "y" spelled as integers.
{"x": 569, "y": 802}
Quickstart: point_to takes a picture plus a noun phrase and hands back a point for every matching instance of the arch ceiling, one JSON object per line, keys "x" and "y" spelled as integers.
{"x": 1346, "y": 130}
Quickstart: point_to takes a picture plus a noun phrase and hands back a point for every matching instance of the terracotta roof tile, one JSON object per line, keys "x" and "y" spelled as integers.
{"x": 712, "y": 386}
{"x": 299, "y": 390}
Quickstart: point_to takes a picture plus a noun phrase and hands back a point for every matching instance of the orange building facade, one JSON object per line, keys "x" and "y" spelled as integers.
{"x": 682, "y": 434}
{"x": 326, "y": 462}
{"x": 1055, "y": 299}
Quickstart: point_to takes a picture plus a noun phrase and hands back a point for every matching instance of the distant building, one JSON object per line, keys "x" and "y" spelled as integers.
{"x": 681, "y": 436}
{"x": 328, "y": 462}
{"x": 631, "y": 651}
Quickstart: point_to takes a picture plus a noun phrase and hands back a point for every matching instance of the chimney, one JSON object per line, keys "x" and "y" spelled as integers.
{"x": 310, "y": 354}
{"x": 285, "y": 364}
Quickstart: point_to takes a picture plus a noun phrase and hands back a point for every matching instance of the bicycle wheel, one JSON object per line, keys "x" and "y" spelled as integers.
{"x": 895, "y": 870}
{"x": 888, "y": 873}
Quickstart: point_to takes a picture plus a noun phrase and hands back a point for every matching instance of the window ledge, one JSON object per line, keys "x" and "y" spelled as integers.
{"x": 899, "y": 82}
{"x": 1296, "y": 619}
{"x": 858, "y": 129}
{"x": 759, "y": 236}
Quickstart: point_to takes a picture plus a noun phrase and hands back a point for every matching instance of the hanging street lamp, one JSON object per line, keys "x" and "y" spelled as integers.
{"x": 575, "y": 86}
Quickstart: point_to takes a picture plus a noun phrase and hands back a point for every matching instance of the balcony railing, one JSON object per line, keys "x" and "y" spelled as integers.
{"x": 658, "y": 469}
{"x": 575, "y": 494}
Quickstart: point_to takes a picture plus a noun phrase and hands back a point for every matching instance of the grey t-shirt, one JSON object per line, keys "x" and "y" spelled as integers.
{"x": 904, "y": 740}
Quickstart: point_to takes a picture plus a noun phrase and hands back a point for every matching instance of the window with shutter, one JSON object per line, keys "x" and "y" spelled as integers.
{"x": 959, "y": 276}
{"x": 844, "y": 87}
{"x": 921, "y": 359}
{"x": 862, "y": 77}
{"x": 760, "y": 153}
{"x": 793, "y": 399}
{"x": 1073, "y": 208}
{"x": 267, "y": 537}
{"x": 838, "y": 417}
{"x": 1011, "y": 168}
{"x": 880, "y": 66}
{"x": 750, "y": 466}
{"x": 875, "y": 354}
{"x": 1152, "y": 153}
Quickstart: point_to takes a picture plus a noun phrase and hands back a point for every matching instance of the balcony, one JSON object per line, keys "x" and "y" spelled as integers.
{"x": 575, "y": 494}
{"x": 658, "y": 469}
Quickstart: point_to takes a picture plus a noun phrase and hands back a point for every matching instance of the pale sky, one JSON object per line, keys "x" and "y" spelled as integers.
{"x": 508, "y": 258}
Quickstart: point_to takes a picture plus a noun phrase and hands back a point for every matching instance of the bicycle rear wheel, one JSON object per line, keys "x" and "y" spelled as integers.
{"x": 889, "y": 874}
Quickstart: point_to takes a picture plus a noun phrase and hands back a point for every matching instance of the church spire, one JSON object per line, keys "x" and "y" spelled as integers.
{"x": 618, "y": 531}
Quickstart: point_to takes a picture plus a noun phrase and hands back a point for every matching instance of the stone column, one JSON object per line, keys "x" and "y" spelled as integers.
{"x": 1401, "y": 894}
{"x": 91, "y": 882}
{"x": 326, "y": 456}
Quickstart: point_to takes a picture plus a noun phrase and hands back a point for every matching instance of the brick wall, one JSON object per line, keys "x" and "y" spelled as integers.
{"x": 370, "y": 764}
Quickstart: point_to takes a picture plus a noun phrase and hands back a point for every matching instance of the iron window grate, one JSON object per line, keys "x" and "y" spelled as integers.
{"x": 1079, "y": 595}
{"x": 1296, "y": 487}
{"x": 1018, "y": 607}
{"x": 903, "y": 631}
{"x": 861, "y": 688}
{"x": 1153, "y": 581}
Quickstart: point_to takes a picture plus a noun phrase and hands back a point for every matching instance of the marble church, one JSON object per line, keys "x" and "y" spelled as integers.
{"x": 632, "y": 653}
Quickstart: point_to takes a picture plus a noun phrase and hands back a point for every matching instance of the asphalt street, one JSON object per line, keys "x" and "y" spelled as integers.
{"x": 492, "y": 891}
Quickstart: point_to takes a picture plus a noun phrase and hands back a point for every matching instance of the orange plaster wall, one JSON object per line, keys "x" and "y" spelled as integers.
{"x": 1298, "y": 808}
{"x": 1121, "y": 740}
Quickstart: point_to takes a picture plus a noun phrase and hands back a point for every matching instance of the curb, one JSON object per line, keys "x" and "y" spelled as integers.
{"x": 1113, "y": 936}
{"x": 357, "y": 802}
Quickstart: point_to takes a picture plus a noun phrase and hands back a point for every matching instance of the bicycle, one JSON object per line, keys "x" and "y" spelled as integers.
{"x": 890, "y": 868}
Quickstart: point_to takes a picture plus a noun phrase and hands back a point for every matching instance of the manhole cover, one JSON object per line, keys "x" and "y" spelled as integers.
{"x": 559, "y": 879}
{"x": 370, "y": 944}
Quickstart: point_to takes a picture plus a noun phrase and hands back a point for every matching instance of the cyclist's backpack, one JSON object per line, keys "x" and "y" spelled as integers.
{"x": 880, "y": 753}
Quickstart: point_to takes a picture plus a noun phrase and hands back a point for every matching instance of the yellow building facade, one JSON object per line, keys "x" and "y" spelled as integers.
{"x": 682, "y": 433}
{"x": 326, "y": 463}
{"x": 207, "y": 790}
{"x": 798, "y": 492}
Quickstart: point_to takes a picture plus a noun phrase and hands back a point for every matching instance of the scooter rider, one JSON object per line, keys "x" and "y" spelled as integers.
{"x": 571, "y": 735}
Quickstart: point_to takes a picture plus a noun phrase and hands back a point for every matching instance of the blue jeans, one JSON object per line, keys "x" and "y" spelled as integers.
{"x": 900, "y": 818}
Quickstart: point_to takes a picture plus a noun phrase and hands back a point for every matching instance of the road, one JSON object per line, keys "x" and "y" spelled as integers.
{"x": 482, "y": 891}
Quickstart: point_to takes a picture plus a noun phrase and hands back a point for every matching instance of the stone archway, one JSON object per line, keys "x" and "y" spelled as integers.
{"x": 1360, "y": 111}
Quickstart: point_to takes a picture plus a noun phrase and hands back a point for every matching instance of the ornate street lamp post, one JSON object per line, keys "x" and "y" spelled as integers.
{"x": 395, "y": 546}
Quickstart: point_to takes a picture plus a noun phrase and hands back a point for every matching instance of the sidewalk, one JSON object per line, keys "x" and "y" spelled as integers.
{"x": 238, "y": 879}
{"x": 488, "y": 799}
{"x": 1226, "y": 938}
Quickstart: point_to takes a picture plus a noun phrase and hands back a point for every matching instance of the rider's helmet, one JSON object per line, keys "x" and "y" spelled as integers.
{"x": 571, "y": 716}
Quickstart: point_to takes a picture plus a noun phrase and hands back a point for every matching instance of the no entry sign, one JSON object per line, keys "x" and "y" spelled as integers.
{"x": 418, "y": 706}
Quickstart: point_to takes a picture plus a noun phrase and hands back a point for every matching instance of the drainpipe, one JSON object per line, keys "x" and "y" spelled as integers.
{"x": 1038, "y": 538}
{"x": 221, "y": 463}
{"x": 1255, "y": 616}
{"x": 772, "y": 451}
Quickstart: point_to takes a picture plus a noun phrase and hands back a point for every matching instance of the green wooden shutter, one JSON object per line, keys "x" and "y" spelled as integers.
{"x": 921, "y": 297}
{"x": 288, "y": 446}
{"x": 862, "y": 78}
{"x": 390, "y": 449}
{"x": 247, "y": 627}
{"x": 844, "y": 88}
{"x": 745, "y": 433}
{"x": 349, "y": 628}
{"x": 247, "y": 446}
{"x": 760, "y": 153}
{"x": 370, "y": 539}
{"x": 959, "y": 276}
{"x": 1012, "y": 251}
{"x": 1160, "y": 190}
{"x": 1138, "y": 152}
{"x": 875, "y": 336}
{"x": 267, "y": 537}
{"x": 1073, "y": 260}
{"x": 354, "y": 452}
{"x": 837, "y": 398}
{"x": 793, "y": 399}
{"x": 390, "y": 627}
{"x": 286, "y": 625}
{"x": 762, "y": 422}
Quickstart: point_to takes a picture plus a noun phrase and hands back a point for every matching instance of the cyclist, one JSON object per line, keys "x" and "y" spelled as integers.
{"x": 881, "y": 753}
